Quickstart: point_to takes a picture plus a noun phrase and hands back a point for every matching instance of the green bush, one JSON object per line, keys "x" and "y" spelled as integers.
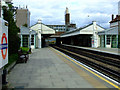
{"x": 24, "y": 49}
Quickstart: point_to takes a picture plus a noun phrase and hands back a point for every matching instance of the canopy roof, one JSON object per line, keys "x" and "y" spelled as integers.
{"x": 110, "y": 31}
{"x": 83, "y": 30}
{"x": 26, "y": 31}
{"x": 42, "y": 28}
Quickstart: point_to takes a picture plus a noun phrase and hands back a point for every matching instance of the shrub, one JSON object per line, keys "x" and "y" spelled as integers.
{"x": 24, "y": 49}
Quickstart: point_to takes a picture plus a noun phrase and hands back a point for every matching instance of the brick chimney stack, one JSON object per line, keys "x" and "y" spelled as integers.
{"x": 116, "y": 16}
{"x": 112, "y": 16}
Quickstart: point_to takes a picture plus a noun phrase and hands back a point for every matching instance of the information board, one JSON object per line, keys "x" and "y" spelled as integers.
{"x": 3, "y": 43}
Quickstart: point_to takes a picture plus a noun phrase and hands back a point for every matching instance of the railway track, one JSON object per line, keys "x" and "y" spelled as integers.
{"x": 108, "y": 65}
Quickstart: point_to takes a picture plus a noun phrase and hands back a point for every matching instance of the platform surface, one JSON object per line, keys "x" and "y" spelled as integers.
{"x": 47, "y": 68}
{"x": 115, "y": 51}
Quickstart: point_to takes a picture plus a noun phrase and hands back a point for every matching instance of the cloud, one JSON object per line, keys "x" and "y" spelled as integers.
{"x": 52, "y": 11}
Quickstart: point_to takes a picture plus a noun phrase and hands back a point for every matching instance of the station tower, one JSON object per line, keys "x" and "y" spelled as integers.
{"x": 67, "y": 17}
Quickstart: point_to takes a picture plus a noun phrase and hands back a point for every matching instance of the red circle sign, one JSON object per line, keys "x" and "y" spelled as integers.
{"x": 4, "y": 37}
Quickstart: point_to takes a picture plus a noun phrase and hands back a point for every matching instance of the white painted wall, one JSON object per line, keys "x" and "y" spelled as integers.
{"x": 44, "y": 29}
{"x": 95, "y": 36}
{"x": 39, "y": 40}
{"x": 32, "y": 47}
{"x": 114, "y": 24}
{"x": 41, "y": 29}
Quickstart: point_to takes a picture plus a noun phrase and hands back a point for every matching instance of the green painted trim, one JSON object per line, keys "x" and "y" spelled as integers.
{"x": 21, "y": 41}
{"x": 116, "y": 41}
{"x": 35, "y": 41}
{"x": 105, "y": 40}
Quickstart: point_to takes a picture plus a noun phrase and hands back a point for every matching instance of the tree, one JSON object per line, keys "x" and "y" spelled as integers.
{"x": 13, "y": 38}
{"x": 25, "y": 25}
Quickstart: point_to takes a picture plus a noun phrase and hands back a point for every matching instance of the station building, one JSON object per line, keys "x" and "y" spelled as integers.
{"x": 36, "y": 36}
{"x": 22, "y": 17}
{"x": 85, "y": 36}
{"x": 109, "y": 37}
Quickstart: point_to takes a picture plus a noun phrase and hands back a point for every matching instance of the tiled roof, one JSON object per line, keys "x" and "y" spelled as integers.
{"x": 26, "y": 31}
{"x": 110, "y": 31}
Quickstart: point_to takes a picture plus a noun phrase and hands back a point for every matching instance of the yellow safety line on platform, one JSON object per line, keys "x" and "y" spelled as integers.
{"x": 88, "y": 70}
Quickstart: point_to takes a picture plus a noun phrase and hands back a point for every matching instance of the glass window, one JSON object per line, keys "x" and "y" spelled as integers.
{"x": 108, "y": 39}
{"x": 114, "y": 41}
{"x": 32, "y": 39}
{"x": 25, "y": 40}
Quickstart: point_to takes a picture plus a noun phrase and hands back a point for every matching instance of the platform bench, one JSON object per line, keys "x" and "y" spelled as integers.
{"x": 22, "y": 57}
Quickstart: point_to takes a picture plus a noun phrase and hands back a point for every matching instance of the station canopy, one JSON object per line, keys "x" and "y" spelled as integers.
{"x": 86, "y": 30}
{"x": 43, "y": 29}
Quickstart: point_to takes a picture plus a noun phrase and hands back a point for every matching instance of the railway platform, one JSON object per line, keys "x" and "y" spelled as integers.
{"x": 49, "y": 68}
{"x": 115, "y": 51}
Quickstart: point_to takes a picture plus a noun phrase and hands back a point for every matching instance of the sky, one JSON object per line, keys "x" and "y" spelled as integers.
{"x": 82, "y": 12}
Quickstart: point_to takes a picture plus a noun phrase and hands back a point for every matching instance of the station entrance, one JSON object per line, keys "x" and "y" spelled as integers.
{"x": 45, "y": 40}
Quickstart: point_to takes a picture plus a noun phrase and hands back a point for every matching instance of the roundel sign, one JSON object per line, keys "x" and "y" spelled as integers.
{"x": 4, "y": 46}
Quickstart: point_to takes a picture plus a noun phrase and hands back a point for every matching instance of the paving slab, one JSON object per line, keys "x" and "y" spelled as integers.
{"x": 47, "y": 69}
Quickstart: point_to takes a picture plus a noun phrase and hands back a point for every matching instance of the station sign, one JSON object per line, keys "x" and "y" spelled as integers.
{"x": 3, "y": 43}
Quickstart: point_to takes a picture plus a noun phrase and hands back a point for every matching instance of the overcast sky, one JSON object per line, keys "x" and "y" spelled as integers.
{"x": 82, "y": 12}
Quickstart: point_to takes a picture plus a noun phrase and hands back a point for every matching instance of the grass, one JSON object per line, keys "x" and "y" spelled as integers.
{"x": 12, "y": 58}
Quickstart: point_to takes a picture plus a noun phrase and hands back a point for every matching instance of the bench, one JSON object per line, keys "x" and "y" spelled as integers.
{"x": 22, "y": 57}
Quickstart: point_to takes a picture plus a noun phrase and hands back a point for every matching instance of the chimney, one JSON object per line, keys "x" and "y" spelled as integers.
{"x": 112, "y": 16}
{"x": 26, "y": 6}
{"x": 39, "y": 21}
{"x": 116, "y": 16}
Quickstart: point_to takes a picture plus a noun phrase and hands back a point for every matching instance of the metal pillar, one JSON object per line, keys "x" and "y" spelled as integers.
{"x": 116, "y": 41}
{"x": 39, "y": 40}
{"x": 30, "y": 40}
{"x": 105, "y": 40}
{"x": 21, "y": 41}
{"x": 34, "y": 41}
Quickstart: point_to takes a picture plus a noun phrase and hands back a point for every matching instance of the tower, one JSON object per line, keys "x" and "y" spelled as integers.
{"x": 67, "y": 17}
